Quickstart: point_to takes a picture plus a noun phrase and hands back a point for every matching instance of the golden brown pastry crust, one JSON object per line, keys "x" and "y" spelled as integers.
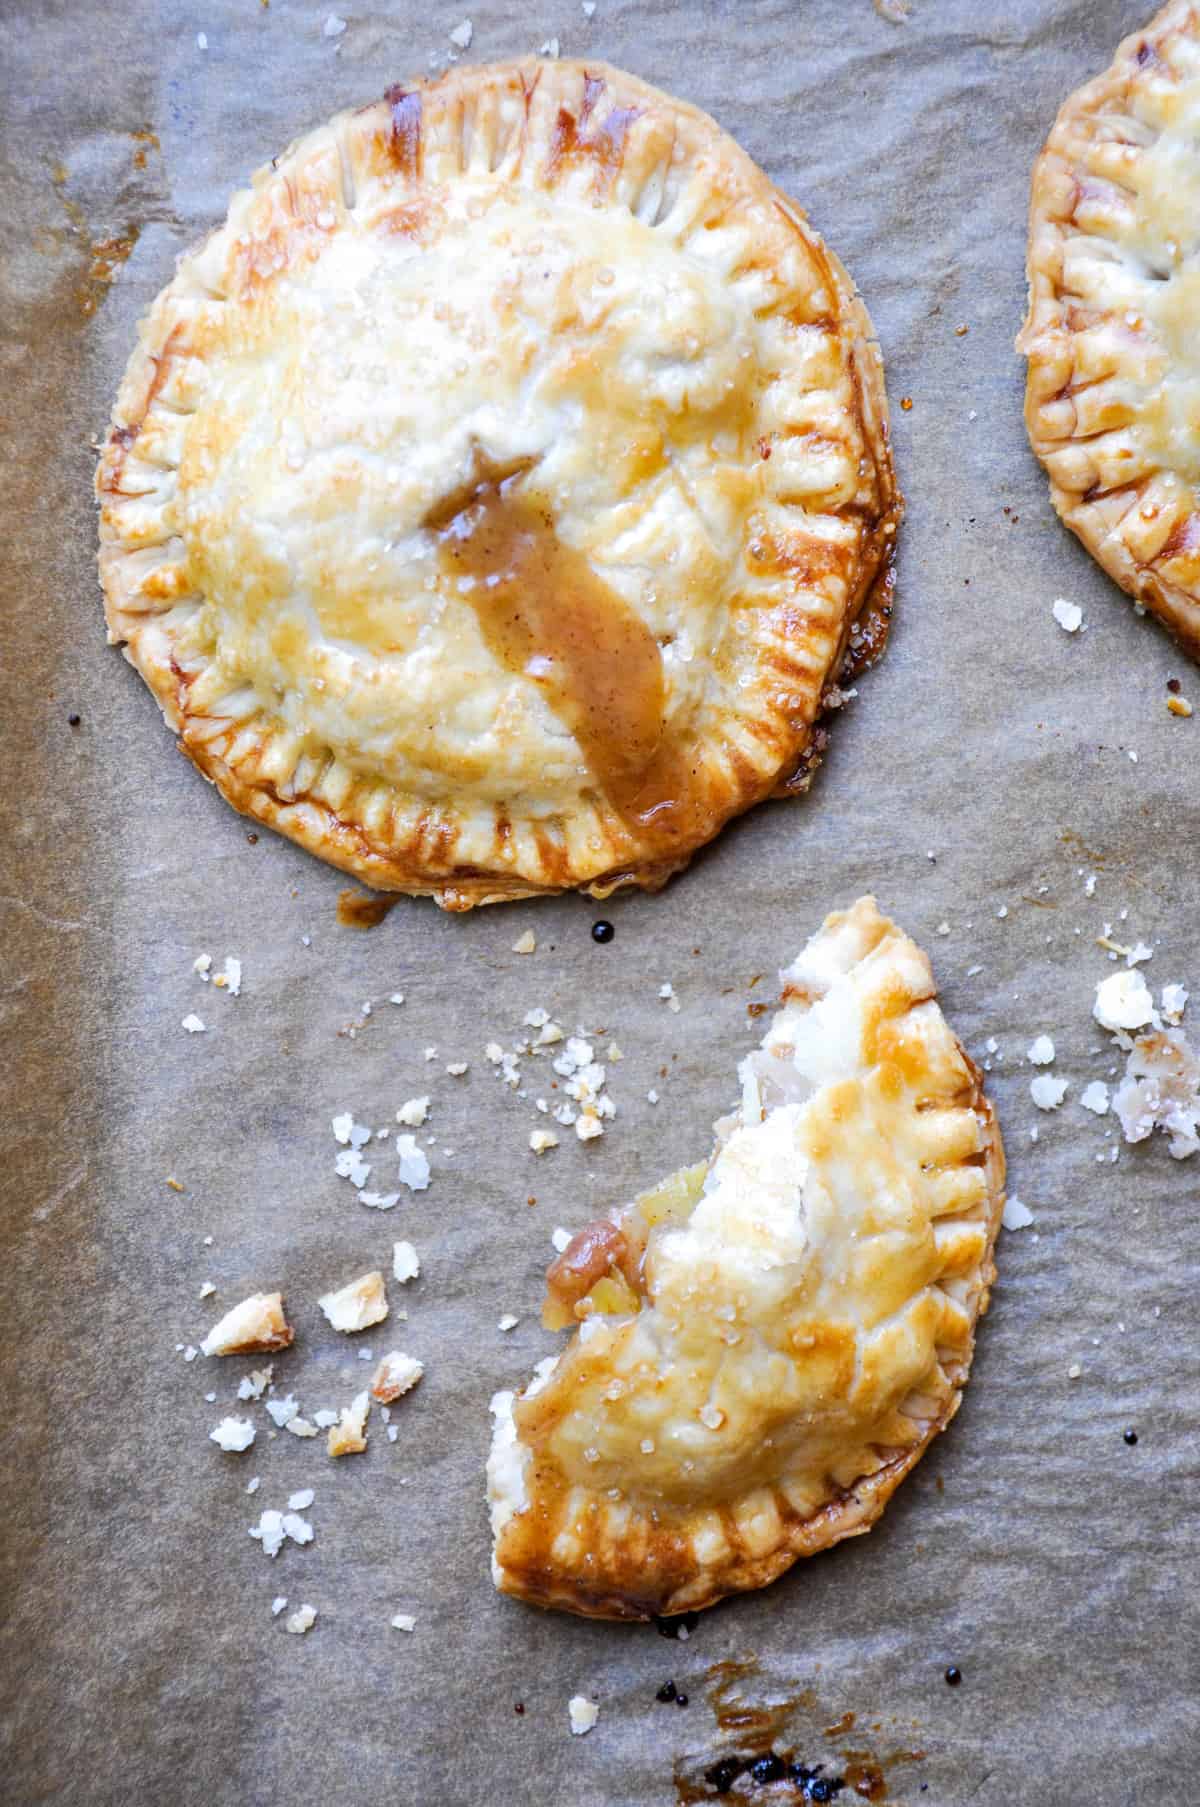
{"x": 1113, "y": 394}
{"x": 801, "y": 1335}
{"x": 256, "y": 559}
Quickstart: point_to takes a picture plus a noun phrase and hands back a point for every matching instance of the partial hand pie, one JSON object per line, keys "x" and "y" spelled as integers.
{"x": 767, "y": 1342}
{"x": 1113, "y": 330}
{"x": 491, "y": 499}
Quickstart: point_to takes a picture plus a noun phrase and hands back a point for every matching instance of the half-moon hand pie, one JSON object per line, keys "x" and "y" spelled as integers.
{"x": 492, "y": 498}
{"x": 766, "y": 1343}
{"x": 1113, "y": 329}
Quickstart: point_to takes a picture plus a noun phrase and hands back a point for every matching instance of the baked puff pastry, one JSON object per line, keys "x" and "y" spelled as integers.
{"x": 1113, "y": 330}
{"x": 765, "y": 1343}
{"x": 491, "y": 499}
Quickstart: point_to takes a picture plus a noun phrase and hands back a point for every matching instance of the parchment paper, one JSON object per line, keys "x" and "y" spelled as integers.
{"x": 1033, "y": 1548}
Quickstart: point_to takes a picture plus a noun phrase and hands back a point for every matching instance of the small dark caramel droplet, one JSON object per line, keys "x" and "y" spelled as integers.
{"x": 73, "y": 721}
{"x": 1130, "y": 1435}
{"x": 1174, "y": 686}
{"x": 681, "y": 1700}
{"x": 953, "y": 1675}
{"x": 666, "y": 1692}
{"x": 252, "y": 838}
{"x": 602, "y": 931}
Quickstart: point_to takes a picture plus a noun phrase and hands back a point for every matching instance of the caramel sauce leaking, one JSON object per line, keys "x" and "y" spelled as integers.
{"x": 361, "y": 910}
{"x": 547, "y": 616}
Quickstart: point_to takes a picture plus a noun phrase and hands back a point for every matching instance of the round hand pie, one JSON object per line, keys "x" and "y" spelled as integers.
{"x": 491, "y": 499}
{"x": 1113, "y": 330}
{"x": 767, "y": 1342}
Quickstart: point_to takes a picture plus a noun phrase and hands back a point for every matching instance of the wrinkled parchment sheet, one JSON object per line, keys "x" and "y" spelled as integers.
{"x": 986, "y": 766}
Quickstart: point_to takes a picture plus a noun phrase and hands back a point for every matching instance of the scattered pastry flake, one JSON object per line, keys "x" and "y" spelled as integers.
{"x": 333, "y": 27}
{"x": 1123, "y": 1001}
{"x": 379, "y": 1201}
{"x": 282, "y": 1411}
{"x": 233, "y": 1434}
{"x": 1074, "y": 1371}
{"x": 192, "y": 1024}
{"x": 230, "y": 979}
{"x": 324, "y": 1418}
{"x": 583, "y": 1714}
{"x": 1017, "y": 1216}
{"x": 174, "y": 1184}
{"x": 403, "y": 1621}
{"x": 1179, "y": 705}
{"x": 588, "y": 9}
{"x": 1094, "y": 1098}
{"x": 1040, "y": 1051}
{"x": 255, "y": 1384}
{"x": 1161, "y": 1090}
{"x": 462, "y": 34}
{"x": 406, "y": 1263}
{"x": 201, "y": 40}
{"x": 1068, "y": 615}
{"x": 396, "y": 1375}
{"x": 274, "y": 1528}
{"x": 526, "y": 943}
{"x": 256, "y": 1325}
{"x": 302, "y": 1620}
{"x": 508, "y": 1322}
{"x": 348, "y": 1437}
{"x": 358, "y": 1304}
{"x": 542, "y": 1139}
{"x": 349, "y": 1165}
{"x": 667, "y": 993}
{"x": 1047, "y": 1091}
{"x": 348, "y": 1132}
{"x": 414, "y": 1164}
{"x": 560, "y": 1238}
{"x": 456, "y": 1068}
{"x": 207, "y": 1290}
{"x": 278, "y": 1604}
{"x": 413, "y": 1112}
{"x": 1174, "y": 1003}
{"x": 395, "y": 997}
{"x": 301, "y": 1500}
{"x": 300, "y": 1427}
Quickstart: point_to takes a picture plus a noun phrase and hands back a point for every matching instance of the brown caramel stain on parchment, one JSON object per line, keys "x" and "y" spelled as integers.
{"x": 105, "y": 255}
{"x": 361, "y": 910}
{"x": 546, "y": 615}
{"x": 753, "y": 1728}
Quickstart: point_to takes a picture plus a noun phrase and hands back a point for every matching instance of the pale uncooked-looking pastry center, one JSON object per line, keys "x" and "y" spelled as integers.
{"x": 366, "y": 388}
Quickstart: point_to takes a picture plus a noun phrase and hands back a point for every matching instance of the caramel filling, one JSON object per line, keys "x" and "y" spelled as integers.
{"x": 546, "y": 615}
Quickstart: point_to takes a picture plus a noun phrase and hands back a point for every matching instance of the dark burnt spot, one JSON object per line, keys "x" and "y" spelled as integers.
{"x": 405, "y": 139}
{"x": 1145, "y": 54}
{"x": 123, "y": 437}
